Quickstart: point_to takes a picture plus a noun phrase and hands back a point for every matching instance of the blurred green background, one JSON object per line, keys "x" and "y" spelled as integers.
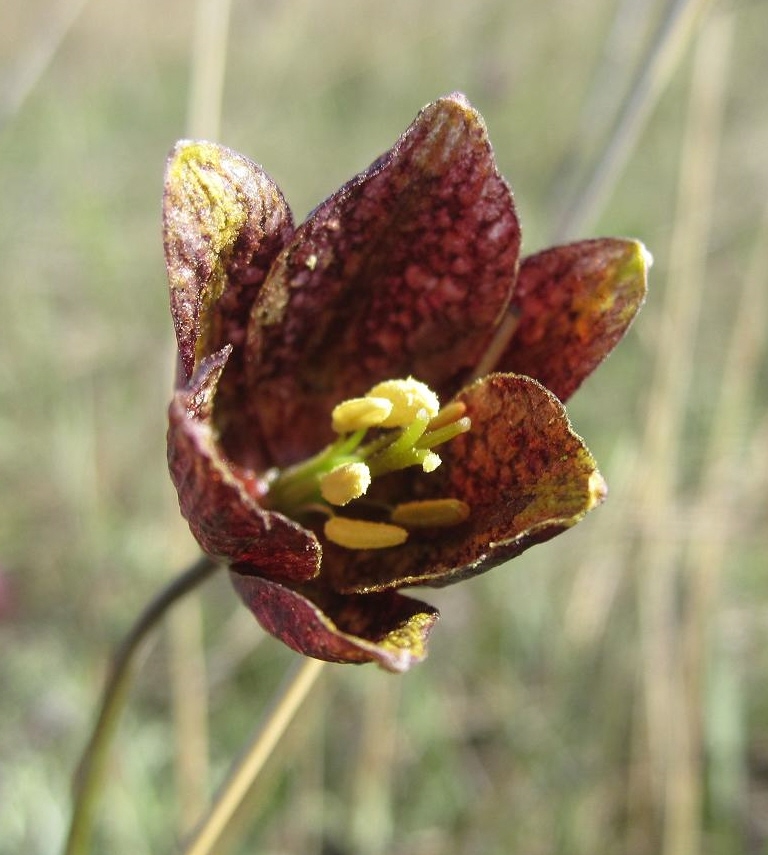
{"x": 607, "y": 692}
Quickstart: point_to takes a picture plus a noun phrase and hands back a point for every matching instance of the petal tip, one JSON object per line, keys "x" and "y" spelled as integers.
{"x": 639, "y": 261}
{"x": 597, "y": 489}
{"x": 646, "y": 254}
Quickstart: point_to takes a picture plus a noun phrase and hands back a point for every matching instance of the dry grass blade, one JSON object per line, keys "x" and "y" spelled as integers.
{"x": 297, "y": 684}
{"x": 674, "y": 748}
{"x": 187, "y": 661}
{"x": 655, "y": 71}
{"x": 531, "y": 748}
{"x": 36, "y": 59}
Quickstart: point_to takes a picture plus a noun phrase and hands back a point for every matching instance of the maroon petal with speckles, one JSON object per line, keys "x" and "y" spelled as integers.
{"x": 386, "y": 628}
{"x": 221, "y": 504}
{"x": 524, "y": 473}
{"x": 574, "y": 304}
{"x": 405, "y": 270}
{"x": 224, "y": 222}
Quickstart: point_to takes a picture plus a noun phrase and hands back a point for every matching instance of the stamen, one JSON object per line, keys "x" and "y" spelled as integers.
{"x": 401, "y": 453}
{"x": 432, "y": 512}
{"x": 429, "y": 461}
{"x": 361, "y": 534}
{"x": 450, "y": 413}
{"x": 408, "y": 424}
{"x": 346, "y": 482}
{"x": 408, "y": 398}
{"x": 360, "y": 414}
{"x": 431, "y": 438}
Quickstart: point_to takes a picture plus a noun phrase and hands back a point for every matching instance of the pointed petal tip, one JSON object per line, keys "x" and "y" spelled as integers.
{"x": 455, "y": 104}
{"x": 186, "y": 152}
{"x": 646, "y": 254}
{"x": 404, "y": 270}
{"x": 639, "y": 261}
{"x": 458, "y": 98}
{"x": 598, "y": 490}
{"x": 573, "y": 304}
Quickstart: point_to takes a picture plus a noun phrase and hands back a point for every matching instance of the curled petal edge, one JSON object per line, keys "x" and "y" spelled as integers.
{"x": 386, "y": 628}
{"x": 221, "y": 504}
{"x": 522, "y": 470}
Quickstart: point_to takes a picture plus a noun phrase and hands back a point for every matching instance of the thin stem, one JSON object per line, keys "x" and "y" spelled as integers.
{"x": 90, "y": 771}
{"x": 209, "y": 60}
{"x": 187, "y": 662}
{"x": 671, "y": 723}
{"x": 36, "y": 59}
{"x": 655, "y": 72}
{"x": 236, "y": 787}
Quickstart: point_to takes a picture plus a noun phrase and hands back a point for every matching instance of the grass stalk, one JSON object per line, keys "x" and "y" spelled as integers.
{"x": 655, "y": 72}
{"x": 719, "y": 501}
{"x": 673, "y": 745}
{"x": 295, "y": 689}
{"x": 35, "y": 60}
{"x": 371, "y": 821}
{"x": 187, "y": 662}
{"x": 209, "y": 61}
{"x": 656, "y": 69}
{"x": 90, "y": 773}
{"x": 189, "y": 710}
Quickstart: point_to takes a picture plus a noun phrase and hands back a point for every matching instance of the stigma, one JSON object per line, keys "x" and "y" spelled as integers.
{"x": 396, "y": 425}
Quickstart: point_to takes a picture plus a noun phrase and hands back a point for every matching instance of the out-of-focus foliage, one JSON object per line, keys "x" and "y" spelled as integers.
{"x": 543, "y": 734}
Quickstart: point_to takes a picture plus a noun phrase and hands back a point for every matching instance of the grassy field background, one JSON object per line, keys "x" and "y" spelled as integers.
{"x": 605, "y": 693}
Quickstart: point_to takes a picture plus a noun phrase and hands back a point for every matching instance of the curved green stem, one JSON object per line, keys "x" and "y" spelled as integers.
{"x": 90, "y": 771}
{"x": 295, "y": 688}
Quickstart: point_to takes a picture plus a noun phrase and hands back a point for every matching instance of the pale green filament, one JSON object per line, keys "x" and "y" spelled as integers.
{"x": 431, "y": 438}
{"x": 408, "y": 424}
{"x": 401, "y": 453}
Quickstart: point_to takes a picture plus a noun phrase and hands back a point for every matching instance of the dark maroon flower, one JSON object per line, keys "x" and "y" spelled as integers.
{"x": 297, "y": 462}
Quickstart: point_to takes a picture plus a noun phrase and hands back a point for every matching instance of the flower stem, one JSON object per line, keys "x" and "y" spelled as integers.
{"x": 295, "y": 688}
{"x": 91, "y": 768}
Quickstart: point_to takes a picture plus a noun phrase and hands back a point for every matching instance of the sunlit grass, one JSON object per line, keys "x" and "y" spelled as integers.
{"x": 526, "y": 729}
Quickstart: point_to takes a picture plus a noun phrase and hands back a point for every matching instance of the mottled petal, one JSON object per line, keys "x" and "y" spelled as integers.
{"x": 221, "y": 503}
{"x": 574, "y": 303}
{"x": 384, "y": 627}
{"x": 403, "y": 271}
{"x": 224, "y": 223}
{"x": 524, "y": 474}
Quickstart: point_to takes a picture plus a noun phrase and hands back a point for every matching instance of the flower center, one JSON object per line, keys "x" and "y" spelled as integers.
{"x": 407, "y": 424}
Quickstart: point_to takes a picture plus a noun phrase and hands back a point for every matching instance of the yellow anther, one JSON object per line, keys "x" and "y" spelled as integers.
{"x": 361, "y": 534}
{"x": 430, "y": 462}
{"x": 448, "y": 414}
{"x": 408, "y": 398}
{"x": 360, "y": 414}
{"x": 346, "y": 482}
{"x": 437, "y": 512}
